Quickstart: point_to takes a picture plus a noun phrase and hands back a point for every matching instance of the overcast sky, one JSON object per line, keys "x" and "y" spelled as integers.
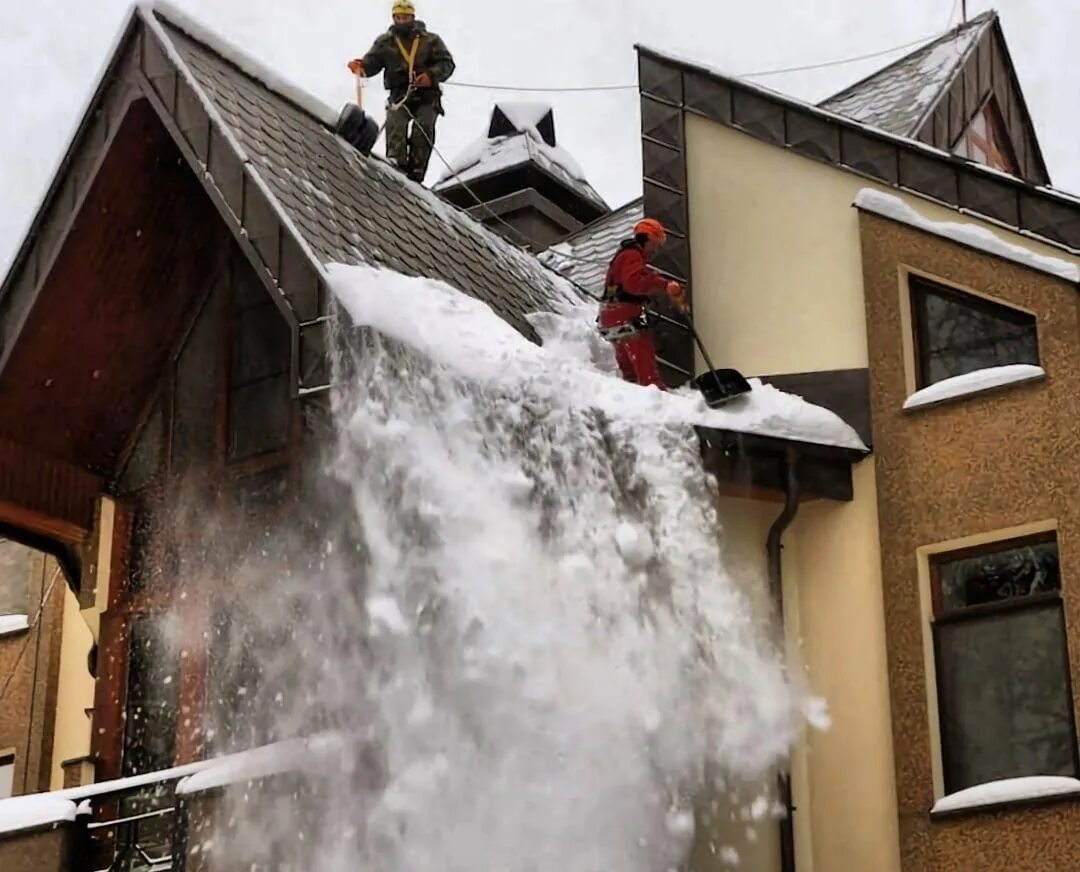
{"x": 51, "y": 52}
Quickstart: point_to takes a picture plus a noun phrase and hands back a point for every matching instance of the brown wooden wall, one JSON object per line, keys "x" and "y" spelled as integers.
{"x": 988, "y": 71}
{"x": 968, "y": 467}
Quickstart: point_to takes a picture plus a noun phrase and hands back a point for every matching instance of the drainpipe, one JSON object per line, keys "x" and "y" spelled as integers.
{"x": 774, "y": 549}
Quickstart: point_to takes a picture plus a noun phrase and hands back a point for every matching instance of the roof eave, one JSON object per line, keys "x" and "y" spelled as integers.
{"x": 753, "y": 466}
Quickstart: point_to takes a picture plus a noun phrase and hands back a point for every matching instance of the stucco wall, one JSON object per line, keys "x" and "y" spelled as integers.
{"x": 966, "y": 469}
{"x": 75, "y": 692}
{"x": 777, "y": 289}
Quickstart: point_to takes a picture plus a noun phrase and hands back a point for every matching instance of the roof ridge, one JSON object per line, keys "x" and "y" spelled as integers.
{"x": 168, "y": 13}
{"x": 978, "y": 21}
{"x": 988, "y": 19}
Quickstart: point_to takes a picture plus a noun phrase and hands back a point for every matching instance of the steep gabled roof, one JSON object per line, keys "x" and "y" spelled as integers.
{"x": 583, "y": 256}
{"x": 898, "y": 97}
{"x": 933, "y": 94}
{"x": 296, "y": 196}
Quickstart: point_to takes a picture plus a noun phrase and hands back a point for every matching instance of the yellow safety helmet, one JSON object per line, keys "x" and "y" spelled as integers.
{"x": 404, "y": 7}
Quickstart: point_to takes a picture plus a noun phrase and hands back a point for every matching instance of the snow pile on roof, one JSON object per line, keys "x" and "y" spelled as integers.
{"x": 13, "y": 624}
{"x": 463, "y": 334}
{"x": 1007, "y": 790}
{"x": 893, "y": 207}
{"x": 974, "y": 383}
{"x": 34, "y": 811}
{"x": 254, "y": 68}
{"x": 312, "y": 755}
{"x": 493, "y": 154}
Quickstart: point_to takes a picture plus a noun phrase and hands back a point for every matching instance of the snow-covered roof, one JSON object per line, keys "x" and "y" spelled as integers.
{"x": 519, "y": 134}
{"x": 893, "y": 207}
{"x": 462, "y": 333}
{"x": 898, "y": 97}
{"x": 335, "y": 204}
{"x": 583, "y": 256}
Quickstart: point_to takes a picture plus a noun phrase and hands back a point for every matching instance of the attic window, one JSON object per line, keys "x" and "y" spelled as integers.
{"x": 986, "y": 140}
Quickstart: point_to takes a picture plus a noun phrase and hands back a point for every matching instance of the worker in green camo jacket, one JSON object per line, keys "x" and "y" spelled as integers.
{"x": 414, "y": 63}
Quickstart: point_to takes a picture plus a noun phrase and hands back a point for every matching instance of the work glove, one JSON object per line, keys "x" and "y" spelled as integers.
{"x": 678, "y": 297}
{"x": 423, "y": 80}
{"x": 356, "y": 67}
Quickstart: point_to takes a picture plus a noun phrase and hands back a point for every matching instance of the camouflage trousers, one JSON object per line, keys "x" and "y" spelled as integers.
{"x": 410, "y": 150}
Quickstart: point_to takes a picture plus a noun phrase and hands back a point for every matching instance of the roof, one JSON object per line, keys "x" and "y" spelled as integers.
{"x": 519, "y": 134}
{"x": 297, "y": 196}
{"x": 899, "y": 97}
{"x": 583, "y": 256}
{"x": 351, "y": 209}
{"x": 671, "y": 86}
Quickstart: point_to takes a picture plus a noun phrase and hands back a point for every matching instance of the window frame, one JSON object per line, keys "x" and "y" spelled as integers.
{"x": 980, "y": 302}
{"x": 996, "y": 144}
{"x": 940, "y": 617}
{"x": 8, "y": 757}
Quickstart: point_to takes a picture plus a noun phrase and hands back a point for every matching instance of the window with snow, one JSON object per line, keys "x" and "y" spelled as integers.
{"x": 958, "y": 333}
{"x": 7, "y": 775}
{"x": 986, "y": 139}
{"x": 1004, "y": 694}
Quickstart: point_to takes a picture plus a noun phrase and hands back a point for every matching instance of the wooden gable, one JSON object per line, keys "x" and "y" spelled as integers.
{"x": 987, "y": 77}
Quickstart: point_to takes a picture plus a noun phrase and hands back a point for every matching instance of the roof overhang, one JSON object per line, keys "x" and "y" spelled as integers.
{"x": 756, "y": 467}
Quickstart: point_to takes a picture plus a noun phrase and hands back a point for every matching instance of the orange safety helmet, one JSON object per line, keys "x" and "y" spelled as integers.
{"x": 652, "y": 228}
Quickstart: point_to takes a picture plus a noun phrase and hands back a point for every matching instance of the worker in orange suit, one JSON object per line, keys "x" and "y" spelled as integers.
{"x": 630, "y": 283}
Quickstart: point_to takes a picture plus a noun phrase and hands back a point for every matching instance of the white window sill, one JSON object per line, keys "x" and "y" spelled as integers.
{"x": 10, "y": 625}
{"x": 1007, "y": 791}
{"x": 972, "y": 383}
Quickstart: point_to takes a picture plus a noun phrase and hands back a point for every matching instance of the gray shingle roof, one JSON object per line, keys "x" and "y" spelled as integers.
{"x": 897, "y": 98}
{"x": 583, "y": 256}
{"x": 351, "y": 209}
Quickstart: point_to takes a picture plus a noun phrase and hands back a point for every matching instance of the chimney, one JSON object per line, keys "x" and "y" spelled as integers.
{"x": 529, "y": 188}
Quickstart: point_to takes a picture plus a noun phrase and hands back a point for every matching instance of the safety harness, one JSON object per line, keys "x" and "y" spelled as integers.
{"x": 615, "y": 293}
{"x": 409, "y": 55}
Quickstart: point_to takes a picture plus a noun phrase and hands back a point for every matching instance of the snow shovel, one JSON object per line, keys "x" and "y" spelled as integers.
{"x": 355, "y": 126}
{"x": 717, "y": 386}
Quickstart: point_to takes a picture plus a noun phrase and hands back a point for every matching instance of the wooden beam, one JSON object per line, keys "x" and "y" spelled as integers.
{"x": 45, "y": 496}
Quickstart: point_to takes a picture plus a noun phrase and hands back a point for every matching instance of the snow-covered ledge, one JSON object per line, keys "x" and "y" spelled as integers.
{"x": 974, "y": 383}
{"x": 34, "y": 812}
{"x": 11, "y": 624}
{"x": 893, "y": 207}
{"x": 1006, "y": 791}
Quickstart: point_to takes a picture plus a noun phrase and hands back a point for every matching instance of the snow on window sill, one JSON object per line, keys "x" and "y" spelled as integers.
{"x": 10, "y": 625}
{"x": 1009, "y": 791}
{"x": 972, "y": 383}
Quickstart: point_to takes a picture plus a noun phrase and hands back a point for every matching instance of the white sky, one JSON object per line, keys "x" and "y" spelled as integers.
{"x": 51, "y": 52}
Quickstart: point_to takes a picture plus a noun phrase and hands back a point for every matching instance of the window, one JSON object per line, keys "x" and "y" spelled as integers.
{"x": 259, "y": 370}
{"x": 7, "y": 775}
{"x": 986, "y": 140}
{"x": 958, "y": 333}
{"x": 15, "y": 569}
{"x": 1004, "y": 694}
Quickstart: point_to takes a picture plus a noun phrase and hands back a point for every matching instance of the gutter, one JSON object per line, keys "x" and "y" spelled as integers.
{"x": 774, "y": 550}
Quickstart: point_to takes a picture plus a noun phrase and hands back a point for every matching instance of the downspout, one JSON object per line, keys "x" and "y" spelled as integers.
{"x": 774, "y": 549}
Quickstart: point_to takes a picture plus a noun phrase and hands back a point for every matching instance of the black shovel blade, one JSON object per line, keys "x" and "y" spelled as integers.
{"x": 721, "y": 385}
{"x": 357, "y": 128}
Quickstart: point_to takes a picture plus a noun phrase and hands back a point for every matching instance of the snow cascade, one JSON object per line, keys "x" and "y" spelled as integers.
{"x": 521, "y": 615}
